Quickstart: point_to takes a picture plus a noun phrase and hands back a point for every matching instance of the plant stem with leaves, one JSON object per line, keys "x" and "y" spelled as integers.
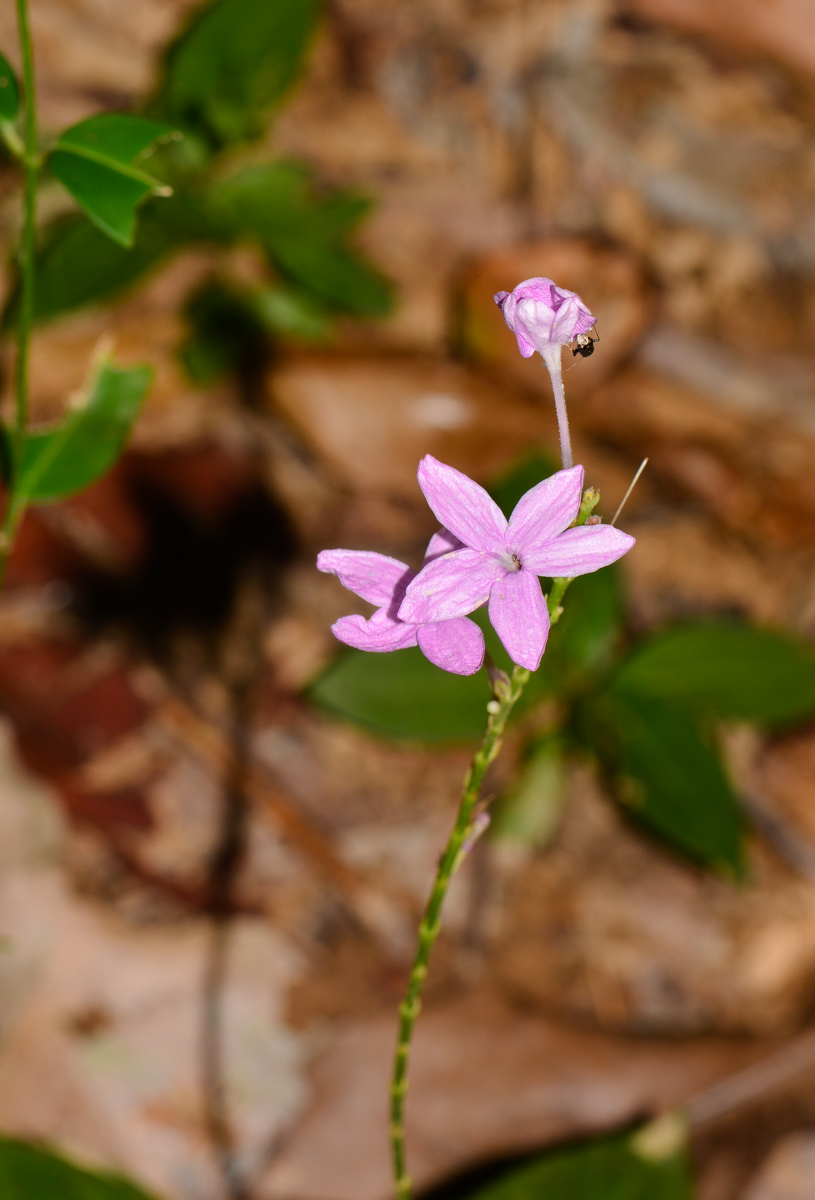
{"x": 30, "y": 160}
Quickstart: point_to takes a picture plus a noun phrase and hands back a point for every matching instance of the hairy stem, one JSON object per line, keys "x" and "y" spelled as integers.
{"x": 507, "y": 693}
{"x": 551, "y": 356}
{"x": 30, "y": 160}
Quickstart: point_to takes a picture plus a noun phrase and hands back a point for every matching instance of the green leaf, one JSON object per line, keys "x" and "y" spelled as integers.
{"x": 31, "y": 1172}
{"x": 71, "y": 456}
{"x": 233, "y": 63}
{"x": 79, "y": 265}
{"x": 227, "y": 335}
{"x": 304, "y": 234}
{"x": 529, "y": 812}
{"x": 94, "y": 160}
{"x": 727, "y": 671}
{"x": 667, "y": 774}
{"x": 612, "y": 1168}
{"x": 585, "y": 639}
{"x": 9, "y": 91}
{"x": 402, "y": 695}
{"x": 507, "y": 488}
{"x": 291, "y": 312}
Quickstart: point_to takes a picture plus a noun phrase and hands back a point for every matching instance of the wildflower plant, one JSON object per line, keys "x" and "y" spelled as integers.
{"x": 491, "y": 560}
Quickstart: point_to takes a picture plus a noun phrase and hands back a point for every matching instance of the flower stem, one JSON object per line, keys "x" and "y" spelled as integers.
{"x": 506, "y": 694}
{"x": 551, "y": 356}
{"x": 30, "y": 160}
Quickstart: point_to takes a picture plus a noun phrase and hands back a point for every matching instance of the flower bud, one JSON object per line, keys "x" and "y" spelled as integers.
{"x": 541, "y": 314}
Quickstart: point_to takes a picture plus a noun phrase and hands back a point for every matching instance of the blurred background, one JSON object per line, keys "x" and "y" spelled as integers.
{"x": 215, "y": 835}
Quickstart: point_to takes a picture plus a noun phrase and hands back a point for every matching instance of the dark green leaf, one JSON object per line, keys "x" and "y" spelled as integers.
{"x": 530, "y": 810}
{"x": 69, "y": 457}
{"x": 303, "y": 233}
{"x": 30, "y": 1172}
{"x": 726, "y": 671}
{"x": 607, "y": 1169}
{"x": 585, "y": 638}
{"x": 507, "y": 488}
{"x": 667, "y": 774}
{"x": 9, "y": 91}
{"x": 227, "y": 335}
{"x": 236, "y": 60}
{"x": 94, "y": 160}
{"x": 402, "y": 695}
{"x": 77, "y": 264}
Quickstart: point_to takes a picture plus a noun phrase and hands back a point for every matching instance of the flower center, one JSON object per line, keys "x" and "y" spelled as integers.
{"x": 512, "y": 562}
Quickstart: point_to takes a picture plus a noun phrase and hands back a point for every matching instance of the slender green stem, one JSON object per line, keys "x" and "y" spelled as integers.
{"x": 498, "y": 713}
{"x": 507, "y": 693}
{"x": 31, "y": 167}
{"x": 30, "y": 160}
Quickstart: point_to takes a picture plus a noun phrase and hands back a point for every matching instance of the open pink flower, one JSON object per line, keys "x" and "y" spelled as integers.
{"x": 456, "y": 645}
{"x": 500, "y": 560}
{"x": 541, "y": 314}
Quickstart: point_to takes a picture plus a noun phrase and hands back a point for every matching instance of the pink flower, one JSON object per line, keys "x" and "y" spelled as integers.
{"x": 500, "y": 560}
{"x": 544, "y": 317}
{"x": 541, "y": 314}
{"x": 456, "y": 646}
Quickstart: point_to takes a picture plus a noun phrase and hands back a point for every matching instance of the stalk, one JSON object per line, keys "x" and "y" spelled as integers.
{"x": 30, "y": 161}
{"x": 551, "y": 356}
{"x": 506, "y": 694}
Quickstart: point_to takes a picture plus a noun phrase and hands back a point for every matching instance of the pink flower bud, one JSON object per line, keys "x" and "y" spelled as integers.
{"x": 541, "y": 314}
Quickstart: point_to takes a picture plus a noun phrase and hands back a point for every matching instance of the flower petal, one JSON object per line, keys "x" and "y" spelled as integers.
{"x": 520, "y": 617}
{"x": 546, "y": 510}
{"x": 375, "y": 577}
{"x": 579, "y": 551}
{"x": 441, "y": 543}
{"x": 462, "y": 506}
{"x": 456, "y": 646}
{"x": 377, "y": 635}
{"x": 451, "y": 586}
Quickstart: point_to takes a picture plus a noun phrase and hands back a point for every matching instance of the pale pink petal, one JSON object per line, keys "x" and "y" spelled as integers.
{"x": 376, "y": 635}
{"x": 441, "y": 543}
{"x": 451, "y": 586}
{"x": 546, "y": 510}
{"x": 462, "y": 506}
{"x": 520, "y": 617}
{"x": 578, "y": 551}
{"x": 456, "y": 646}
{"x": 374, "y": 577}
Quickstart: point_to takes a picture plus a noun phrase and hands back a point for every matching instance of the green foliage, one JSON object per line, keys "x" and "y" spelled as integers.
{"x": 9, "y": 91}
{"x": 667, "y": 774}
{"x": 229, "y": 327}
{"x": 403, "y": 696}
{"x": 606, "y": 1169}
{"x": 235, "y": 61}
{"x": 95, "y": 161}
{"x": 304, "y": 233}
{"x": 79, "y": 265}
{"x": 727, "y": 671}
{"x": 29, "y": 1172}
{"x": 72, "y": 455}
{"x": 530, "y": 810}
{"x": 226, "y": 336}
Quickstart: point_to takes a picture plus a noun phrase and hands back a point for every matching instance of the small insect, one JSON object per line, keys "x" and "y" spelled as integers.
{"x": 585, "y": 343}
